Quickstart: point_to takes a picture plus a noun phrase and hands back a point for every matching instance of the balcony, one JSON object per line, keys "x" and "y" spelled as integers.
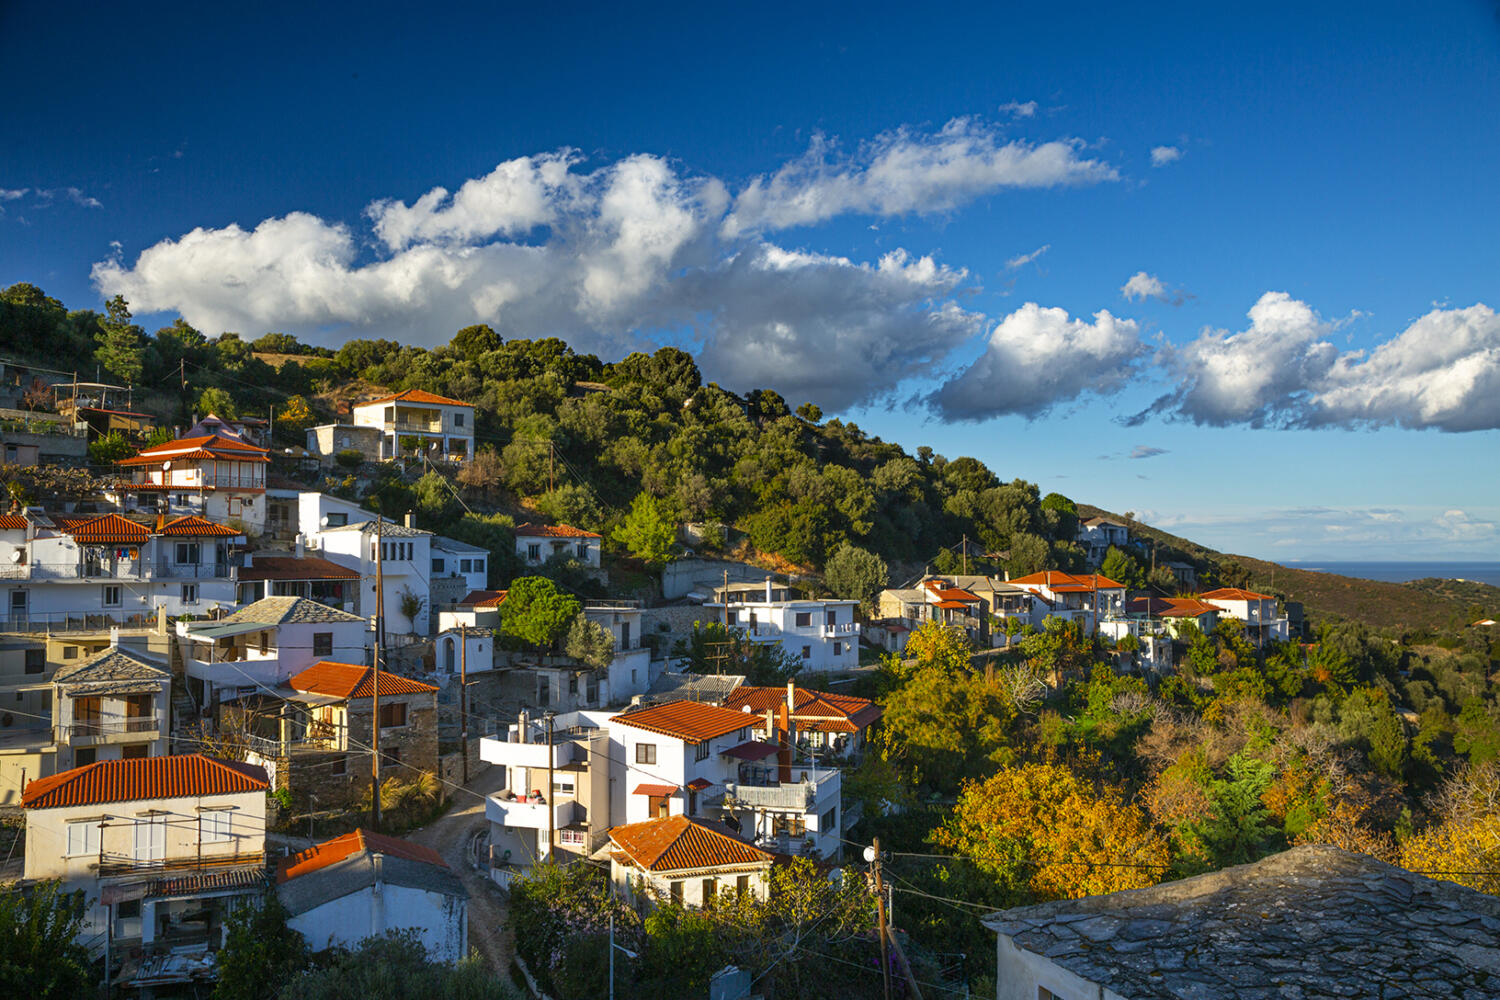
{"x": 126, "y": 864}
{"x": 796, "y": 796}
{"x": 567, "y": 747}
{"x": 194, "y": 571}
{"x": 122, "y": 570}
{"x": 104, "y": 730}
{"x": 415, "y": 426}
{"x": 841, "y": 630}
{"x": 530, "y": 815}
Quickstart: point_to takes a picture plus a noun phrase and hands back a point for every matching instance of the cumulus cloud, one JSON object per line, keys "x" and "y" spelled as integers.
{"x": 1019, "y": 109}
{"x": 905, "y": 172}
{"x": 1146, "y": 451}
{"x": 43, "y": 197}
{"x": 1442, "y": 371}
{"x": 1021, "y": 260}
{"x": 1162, "y": 155}
{"x": 632, "y": 251}
{"x": 1039, "y": 357}
{"x": 1143, "y": 286}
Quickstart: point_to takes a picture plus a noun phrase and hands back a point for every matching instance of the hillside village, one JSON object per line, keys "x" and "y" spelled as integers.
{"x": 600, "y": 673}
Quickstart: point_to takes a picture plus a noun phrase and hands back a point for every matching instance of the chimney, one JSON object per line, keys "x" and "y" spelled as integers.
{"x": 768, "y": 590}
{"x": 411, "y": 519}
{"x": 377, "y": 897}
{"x": 161, "y": 619}
{"x": 161, "y": 521}
{"x": 300, "y": 545}
{"x": 784, "y": 754}
{"x": 114, "y": 637}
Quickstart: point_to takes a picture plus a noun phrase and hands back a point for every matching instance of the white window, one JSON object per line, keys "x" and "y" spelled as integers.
{"x": 83, "y": 837}
{"x": 217, "y": 825}
{"x": 534, "y": 552}
{"x": 189, "y": 593}
{"x": 111, "y": 596}
{"x": 151, "y": 837}
{"x": 466, "y": 565}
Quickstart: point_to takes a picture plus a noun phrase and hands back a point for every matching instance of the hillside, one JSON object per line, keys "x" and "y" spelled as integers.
{"x": 1422, "y": 604}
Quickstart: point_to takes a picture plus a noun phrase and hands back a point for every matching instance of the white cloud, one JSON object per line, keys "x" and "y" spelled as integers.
{"x": 1038, "y": 357}
{"x": 1022, "y": 260}
{"x": 1146, "y": 451}
{"x": 1442, "y": 371}
{"x": 1144, "y": 286}
{"x": 1162, "y": 155}
{"x": 1019, "y": 109}
{"x": 607, "y": 259}
{"x": 43, "y": 197}
{"x": 11, "y": 194}
{"x": 906, "y": 172}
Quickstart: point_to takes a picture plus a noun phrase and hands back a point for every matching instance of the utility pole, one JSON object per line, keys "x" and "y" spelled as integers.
{"x": 885, "y": 962}
{"x": 965, "y": 544}
{"x": 551, "y": 449}
{"x": 463, "y": 694}
{"x": 547, "y": 799}
{"x": 379, "y": 652}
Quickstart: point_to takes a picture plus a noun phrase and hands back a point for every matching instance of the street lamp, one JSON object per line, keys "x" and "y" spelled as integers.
{"x": 612, "y": 948}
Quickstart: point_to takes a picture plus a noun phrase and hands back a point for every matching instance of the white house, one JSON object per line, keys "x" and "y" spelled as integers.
{"x": 420, "y": 423}
{"x": 1096, "y": 535}
{"x": 688, "y": 758}
{"x": 461, "y": 650}
{"x": 162, "y": 847}
{"x": 1257, "y": 611}
{"x": 823, "y": 634}
{"x": 220, "y": 477}
{"x": 629, "y": 673}
{"x": 528, "y": 821}
{"x": 110, "y": 706}
{"x": 823, "y": 721}
{"x": 406, "y": 554}
{"x": 364, "y": 884}
{"x": 689, "y": 861}
{"x": 537, "y": 543}
{"x": 64, "y": 567}
{"x": 1088, "y": 598}
{"x": 263, "y": 644}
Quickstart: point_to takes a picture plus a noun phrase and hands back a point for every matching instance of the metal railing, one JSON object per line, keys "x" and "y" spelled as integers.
{"x": 166, "y": 570}
{"x": 125, "y": 864}
{"x": 109, "y": 727}
{"x": 73, "y": 621}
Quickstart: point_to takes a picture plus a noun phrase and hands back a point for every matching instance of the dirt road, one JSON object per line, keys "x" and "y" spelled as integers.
{"x": 453, "y": 836}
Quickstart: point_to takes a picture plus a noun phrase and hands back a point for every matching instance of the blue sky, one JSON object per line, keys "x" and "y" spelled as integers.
{"x": 1252, "y": 248}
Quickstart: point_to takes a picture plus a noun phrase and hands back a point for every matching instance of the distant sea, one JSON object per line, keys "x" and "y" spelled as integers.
{"x": 1401, "y": 572}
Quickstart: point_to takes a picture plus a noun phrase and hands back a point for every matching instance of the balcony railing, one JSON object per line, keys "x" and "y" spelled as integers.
{"x": 64, "y": 621}
{"x": 126, "y": 864}
{"x": 842, "y": 628}
{"x": 412, "y": 427}
{"x": 190, "y": 571}
{"x": 125, "y": 569}
{"x": 795, "y": 795}
{"x": 99, "y": 728}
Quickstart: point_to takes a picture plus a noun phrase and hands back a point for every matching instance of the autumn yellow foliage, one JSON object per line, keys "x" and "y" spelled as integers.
{"x": 1047, "y": 834}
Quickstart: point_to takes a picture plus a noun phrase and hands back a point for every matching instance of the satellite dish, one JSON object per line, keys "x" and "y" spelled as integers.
{"x": 166, "y": 466}
{"x": 323, "y": 521}
{"x": 17, "y": 555}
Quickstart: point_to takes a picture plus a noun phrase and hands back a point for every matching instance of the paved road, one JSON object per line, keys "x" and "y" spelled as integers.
{"x": 452, "y": 836}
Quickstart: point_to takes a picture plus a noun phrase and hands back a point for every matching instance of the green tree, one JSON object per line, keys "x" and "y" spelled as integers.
{"x": 1122, "y": 567}
{"x": 261, "y": 954}
{"x": 40, "y": 955}
{"x": 472, "y": 341}
{"x": 811, "y": 412}
{"x": 296, "y": 416}
{"x": 122, "y": 347}
{"x": 1060, "y": 649}
{"x": 589, "y": 642}
{"x": 941, "y": 727}
{"x": 1241, "y": 827}
{"x": 536, "y": 612}
{"x": 647, "y": 531}
{"x": 856, "y": 574}
{"x": 110, "y": 449}
{"x": 276, "y": 343}
{"x": 711, "y": 649}
{"x": 572, "y": 504}
{"x": 218, "y": 402}
{"x": 396, "y": 966}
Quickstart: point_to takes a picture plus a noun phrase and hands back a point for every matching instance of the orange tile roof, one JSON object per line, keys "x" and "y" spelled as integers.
{"x": 1172, "y": 607}
{"x": 208, "y": 446}
{"x": 195, "y": 526}
{"x": 108, "y": 529}
{"x": 678, "y": 843}
{"x": 12, "y": 522}
{"x": 811, "y": 705}
{"x": 333, "y": 851}
{"x": 649, "y": 789}
{"x": 1234, "y": 594}
{"x": 551, "y": 531}
{"x": 484, "y": 598}
{"x": 692, "y": 721}
{"x": 947, "y": 593}
{"x": 1056, "y": 580}
{"x": 292, "y": 568}
{"x": 415, "y": 396}
{"x": 952, "y": 605}
{"x": 144, "y": 778}
{"x": 349, "y": 680}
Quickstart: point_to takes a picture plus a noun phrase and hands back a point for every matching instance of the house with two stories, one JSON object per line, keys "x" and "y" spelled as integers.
{"x": 298, "y": 575}
{"x": 1088, "y": 598}
{"x": 366, "y": 884}
{"x": 538, "y": 543}
{"x": 835, "y": 723}
{"x": 163, "y": 848}
{"x": 1097, "y": 535}
{"x": 823, "y": 634}
{"x": 1257, "y": 612}
{"x": 212, "y": 475}
{"x": 262, "y": 645}
{"x": 419, "y": 424}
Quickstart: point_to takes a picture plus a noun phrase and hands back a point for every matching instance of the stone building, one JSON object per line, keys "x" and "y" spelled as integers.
{"x": 1314, "y": 921}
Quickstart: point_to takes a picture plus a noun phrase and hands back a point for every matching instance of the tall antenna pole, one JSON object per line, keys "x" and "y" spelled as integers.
{"x": 379, "y": 652}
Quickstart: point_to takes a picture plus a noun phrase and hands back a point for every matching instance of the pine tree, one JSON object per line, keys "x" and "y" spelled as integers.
{"x": 121, "y": 346}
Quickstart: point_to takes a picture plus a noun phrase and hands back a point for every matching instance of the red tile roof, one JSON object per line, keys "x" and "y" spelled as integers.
{"x": 144, "y": 778}
{"x": 698, "y": 784}
{"x": 1172, "y": 607}
{"x": 415, "y": 396}
{"x": 292, "y": 568}
{"x": 649, "y": 789}
{"x": 944, "y": 592}
{"x": 687, "y": 720}
{"x": 1058, "y": 581}
{"x": 529, "y": 530}
{"x": 108, "y": 529}
{"x": 349, "y": 680}
{"x": 857, "y": 712}
{"x": 12, "y": 522}
{"x": 209, "y": 446}
{"x": 196, "y": 527}
{"x": 360, "y": 841}
{"x": 1234, "y": 594}
{"x": 677, "y": 843}
{"x": 482, "y": 598}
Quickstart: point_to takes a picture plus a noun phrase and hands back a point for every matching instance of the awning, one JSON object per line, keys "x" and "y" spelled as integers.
{"x": 655, "y": 790}
{"x": 753, "y": 751}
{"x": 228, "y": 629}
{"x": 698, "y": 784}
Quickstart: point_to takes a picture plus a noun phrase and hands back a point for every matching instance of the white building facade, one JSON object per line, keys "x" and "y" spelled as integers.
{"x": 418, "y": 423}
